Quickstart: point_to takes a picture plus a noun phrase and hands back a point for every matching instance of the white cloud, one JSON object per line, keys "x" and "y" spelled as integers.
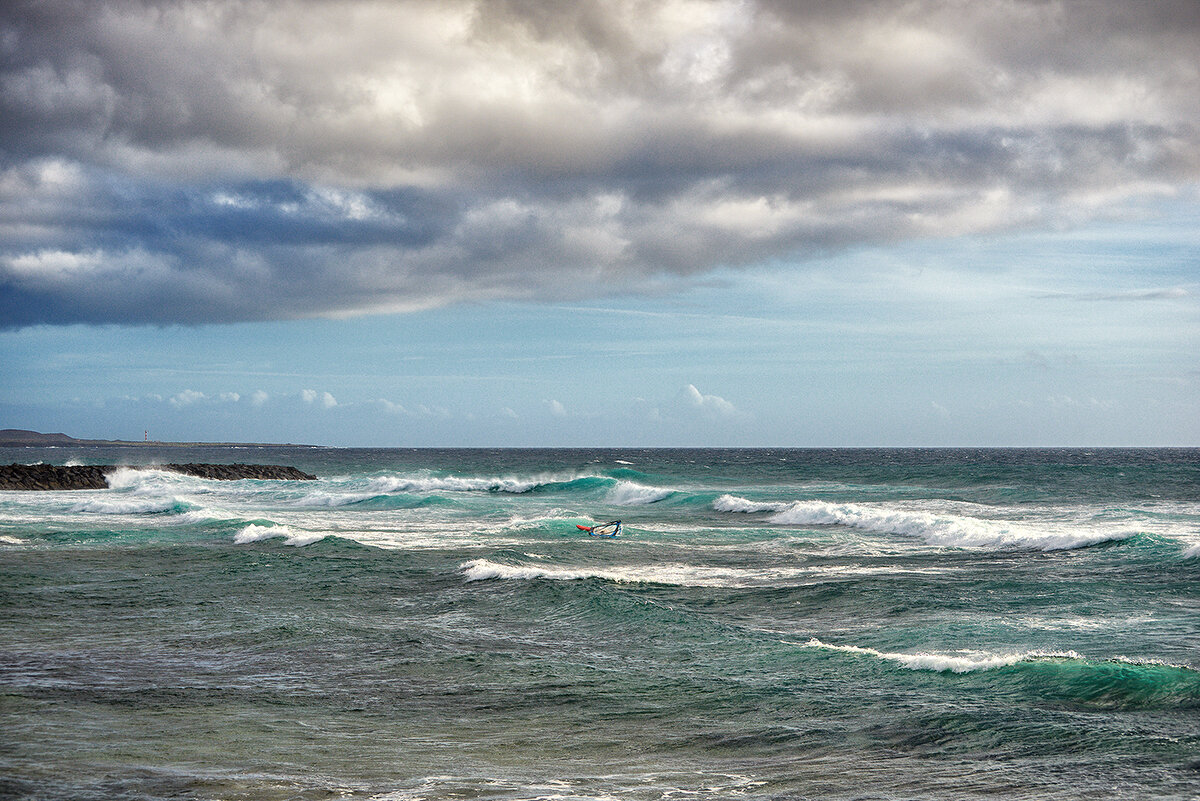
{"x": 259, "y": 397}
{"x": 313, "y": 396}
{"x": 556, "y": 408}
{"x": 692, "y": 400}
{"x": 390, "y": 407}
{"x": 186, "y": 398}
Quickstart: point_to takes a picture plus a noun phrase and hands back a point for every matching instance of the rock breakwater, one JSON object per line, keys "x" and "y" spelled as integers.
{"x": 73, "y": 477}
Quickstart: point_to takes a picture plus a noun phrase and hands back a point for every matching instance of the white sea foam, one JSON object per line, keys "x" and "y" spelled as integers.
{"x": 323, "y": 498}
{"x": 7, "y": 540}
{"x": 144, "y": 479}
{"x": 681, "y": 575}
{"x": 255, "y": 533}
{"x": 941, "y": 529}
{"x": 957, "y": 662}
{"x": 1192, "y": 552}
{"x": 630, "y": 493}
{"x": 383, "y": 485}
{"x": 732, "y": 503}
{"x": 130, "y": 505}
{"x": 674, "y": 574}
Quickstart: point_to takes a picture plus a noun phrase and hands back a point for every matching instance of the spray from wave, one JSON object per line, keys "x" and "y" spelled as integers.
{"x": 435, "y": 483}
{"x": 630, "y": 493}
{"x": 257, "y": 533}
{"x": 672, "y": 574}
{"x": 947, "y": 530}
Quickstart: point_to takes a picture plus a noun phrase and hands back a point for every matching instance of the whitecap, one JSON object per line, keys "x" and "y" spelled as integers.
{"x": 255, "y": 533}
{"x": 963, "y": 661}
{"x": 943, "y": 529}
{"x": 630, "y": 493}
{"x": 1192, "y": 552}
{"x": 383, "y": 485}
{"x": 131, "y": 505}
{"x": 732, "y": 503}
{"x": 681, "y": 575}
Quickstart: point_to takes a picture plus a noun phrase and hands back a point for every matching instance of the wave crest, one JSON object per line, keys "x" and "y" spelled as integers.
{"x": 947, "y": 530}
{"x": 958, "y": 662}
{"x": 133, "y": 505}
{"x": 630, "y": 493}
{"x": 1116, "y": 683}
{"x": 256, "y": 533}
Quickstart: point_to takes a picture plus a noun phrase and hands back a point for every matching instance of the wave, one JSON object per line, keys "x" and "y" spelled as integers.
{"x": 257, "y": 533}
{"x": 630, "y": 493}
{"x": 1192, "y": 552}
{"x": 732, "y": 503}
{"x": 133, "y": 505}
{"x": 147, "y": 479}
{"x": 7, "y": 540}
{"x": 957, "y": 531}
{"x": 382, "y": 485}
{"x": 679, "y": 575}
{"x": 1066, "y": 676}
{"x": 959, "y": 662}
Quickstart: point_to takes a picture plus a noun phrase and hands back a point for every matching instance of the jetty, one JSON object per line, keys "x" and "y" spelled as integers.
{"x": 76, "y": 477}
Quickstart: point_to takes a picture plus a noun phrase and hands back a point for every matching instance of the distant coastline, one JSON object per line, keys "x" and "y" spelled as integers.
{"x": 18, "y": 437}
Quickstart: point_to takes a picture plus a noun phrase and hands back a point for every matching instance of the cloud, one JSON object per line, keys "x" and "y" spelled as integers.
{"x": 556, "y": 408}
{"x": 390, "y": 407}
{"x": 259, "y": 397}
{"x": 692, "y": 401}
{"x": 186, "y": 398}
{"x": 1127, "y": 296}
{"x": 171, "y": 162}
{"x": 311, "y": 396}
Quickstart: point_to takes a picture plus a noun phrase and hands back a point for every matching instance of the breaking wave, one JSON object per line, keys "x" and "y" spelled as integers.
{"x": 133, "y": 505}
{"x": 629, "y": 493}
{"x": 257, "y": 533}
{"x": 1064, "y": 676}
{"x": 957, "y": 531}
{"x": 382, "y": 485}
{"x": 958, "y": 662}
{"x": 675, "y": 574}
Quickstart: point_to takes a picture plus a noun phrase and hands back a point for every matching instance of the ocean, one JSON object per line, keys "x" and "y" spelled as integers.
{"x": 770, "y": 624}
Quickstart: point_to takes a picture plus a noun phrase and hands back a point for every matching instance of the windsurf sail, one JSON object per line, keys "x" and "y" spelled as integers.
{"x": 610, "y": 529}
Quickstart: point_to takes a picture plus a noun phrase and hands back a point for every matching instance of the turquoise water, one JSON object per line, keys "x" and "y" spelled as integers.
{"x": 424, "y": 624}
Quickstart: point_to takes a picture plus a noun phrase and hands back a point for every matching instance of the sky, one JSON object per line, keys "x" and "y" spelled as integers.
{"x": 604, "y": 222}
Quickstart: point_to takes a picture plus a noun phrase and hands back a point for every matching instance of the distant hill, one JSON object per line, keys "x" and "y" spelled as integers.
{"x": 19, "y": 437}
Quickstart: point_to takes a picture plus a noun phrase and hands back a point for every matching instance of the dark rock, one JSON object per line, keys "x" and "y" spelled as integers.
{"x": 73, "y": 477}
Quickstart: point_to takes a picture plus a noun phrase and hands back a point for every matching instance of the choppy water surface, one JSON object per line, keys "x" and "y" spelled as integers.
{"x": 771, "y": 624}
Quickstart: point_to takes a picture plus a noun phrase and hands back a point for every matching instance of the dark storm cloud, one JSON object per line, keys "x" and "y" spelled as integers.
{"x": 171, "y": 161}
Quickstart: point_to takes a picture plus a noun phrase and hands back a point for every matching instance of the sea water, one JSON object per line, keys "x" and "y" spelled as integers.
{"x": 431, "y": 624}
